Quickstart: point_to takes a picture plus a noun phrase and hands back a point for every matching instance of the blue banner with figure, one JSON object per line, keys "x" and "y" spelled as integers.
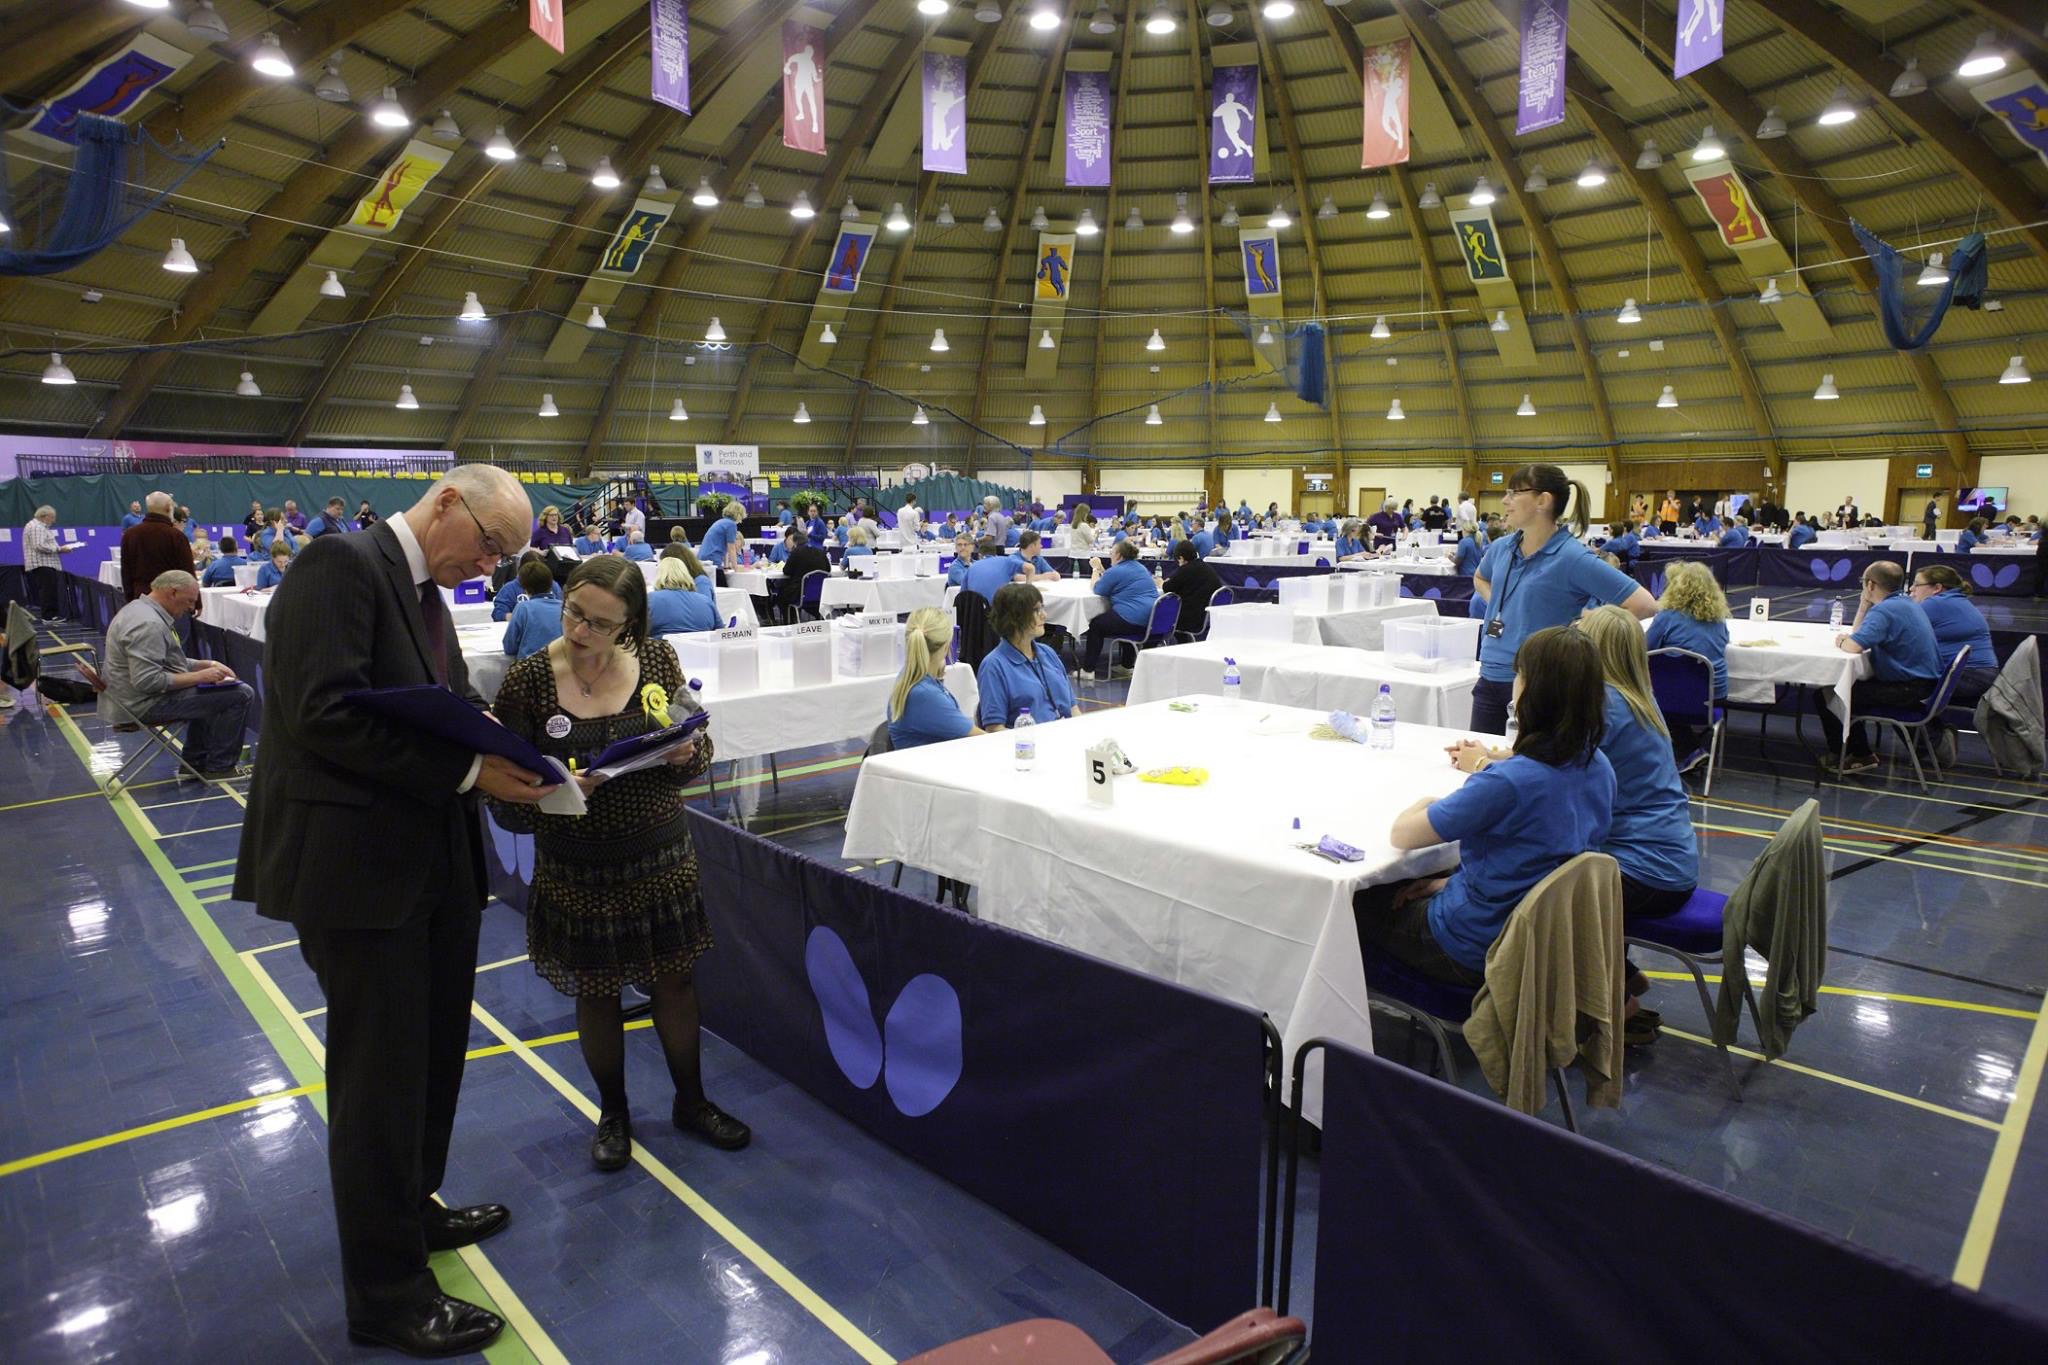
{"x": 1113, "y": 1113}
{"x": 1429, "y": 1192}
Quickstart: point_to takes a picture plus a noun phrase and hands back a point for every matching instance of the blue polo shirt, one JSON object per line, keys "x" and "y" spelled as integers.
{"x": 1651, "y": 833}
{"x": 717, "y": 541}
{"x": 588, "y": 546}
{"x": 1956, "y": 622}
{"x": 1516, "y": 823}
{"x": 1675, "y": 630}
{"x": 639, "y": 552}
{"x": 984, "y": 576}
{"x": 1549, "y": 588}
{"x": 1130, "y": 590}
{"x": 507, "y": 598}
{"x": 1009, "y": 682}
{"x": 1707, "y": 525}
{"x": 779, "y": 553}
{"x": 1968, "y": 541}
{"x": 930, "y": 716}
{"x": 1468, "y": 556}
{"x": 132, "y": 519}
{"x": 221, "y": 573}
{"x": 1625, "y": 547}
{"x": 1900, "y": 641}
{"x": 1037, "y": 564}
{"x": 1800, "y": 534}
{"x": 1347, "y": 546}
{"x": 1205, "y": 544}
{"x": 785, "y": 517}
{"x": 536, "y": 623}
{"x": 1734, "y": 538}
{"x": 269, "y": 576}
{"x": 673, "y": 611}
{"x": 814, "y": 531}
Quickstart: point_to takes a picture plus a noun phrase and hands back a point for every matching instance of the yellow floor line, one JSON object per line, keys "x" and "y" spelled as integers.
{"x": 313, "y": 1014}
{"x": 502, "y": 962}
{"x": 48, "y": 801}
{"x": 210, "y": 829}
{"x": 29, "y": 1163}
{"x": 1864, "y": 1086}
{"x": 1991, "y": 1195}
{"x": 206, "y": 867}
{"x": 812, "y": 1302}
{"x": 1854, "y": 852}
{"x": 1935, "y": 1000}
{"x": 272, "y": 947}
{"x": 184, "y": 801}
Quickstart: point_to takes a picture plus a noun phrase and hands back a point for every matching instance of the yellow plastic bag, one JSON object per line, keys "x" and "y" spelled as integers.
{"x": 1175, "y": 777}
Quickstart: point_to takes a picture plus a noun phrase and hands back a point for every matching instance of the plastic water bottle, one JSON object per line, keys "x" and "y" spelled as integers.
{"x": 1383, "y": 719}
{"x": 1025, "y": 746}
{"x": 1233, "y": 685}
{"x": 1835, "y": 613}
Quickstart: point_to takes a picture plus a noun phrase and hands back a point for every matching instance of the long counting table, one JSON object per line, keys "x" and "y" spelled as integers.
{"x": 1203, "y": 885}
{"x": 1323, "y": 678}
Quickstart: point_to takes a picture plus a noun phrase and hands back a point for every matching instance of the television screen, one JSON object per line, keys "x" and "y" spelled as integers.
{"x": 1986, "y": 500}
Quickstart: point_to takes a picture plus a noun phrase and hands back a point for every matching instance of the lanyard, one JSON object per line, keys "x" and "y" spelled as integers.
{"x": 1507, "y": 579}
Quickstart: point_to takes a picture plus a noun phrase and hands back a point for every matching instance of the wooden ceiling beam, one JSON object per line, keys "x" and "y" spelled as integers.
{"x": 1110, "y": 232}
{"x": 831, "y": 179}
{"x": 1431, "y": 37}
{"x": 58, "y": 38}
{"x": 1796, "y": 177}
{"x": 1048, "y": 87}
{"x": 305, "y": 194}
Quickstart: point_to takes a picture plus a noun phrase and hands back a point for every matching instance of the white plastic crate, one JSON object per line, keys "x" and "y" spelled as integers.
{"x": 1252, "y": 621}
{"x": 245, "y": 574}
{"x": 796, "y": 656}
{"x": 1429, "y": 643}
{"x": 1310, "y": 592}
{"x": 728, "y": 661}
{"x": 895, "y": 566}
{"x": 866, "y": 646}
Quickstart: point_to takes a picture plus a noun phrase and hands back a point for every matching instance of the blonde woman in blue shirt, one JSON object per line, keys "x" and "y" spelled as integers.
{"x": 1692, "y": 614}
{"x": 921, "y": 710}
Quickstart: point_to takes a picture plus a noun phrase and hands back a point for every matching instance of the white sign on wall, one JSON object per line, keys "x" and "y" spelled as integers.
{"x": 729, "y": 464}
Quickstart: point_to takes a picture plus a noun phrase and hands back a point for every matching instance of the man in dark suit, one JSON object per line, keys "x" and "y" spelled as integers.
{"x": 152, "y": 546}
{"x": 393, "y": 943}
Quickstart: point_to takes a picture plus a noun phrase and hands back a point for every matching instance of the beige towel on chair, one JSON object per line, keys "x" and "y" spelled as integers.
{"x": 1557, "y": 960}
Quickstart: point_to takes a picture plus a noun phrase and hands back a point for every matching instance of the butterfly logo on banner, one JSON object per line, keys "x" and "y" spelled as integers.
{"x": 1830, "y": 573}
{"x": 1985, "y": 577}
{"x": 916, "y": 1052}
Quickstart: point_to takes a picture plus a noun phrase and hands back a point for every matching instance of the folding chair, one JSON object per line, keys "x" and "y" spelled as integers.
{"x": 1158, "y": 631}
{"x": 1911, "y": 722}
{"x": 808, "y": 594}
{"x": 1683, "y": 684}
{"x": 21, "y": 665}
{"x": 154, "y": 738}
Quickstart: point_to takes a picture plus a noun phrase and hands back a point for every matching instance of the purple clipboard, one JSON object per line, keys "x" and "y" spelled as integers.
{"x": 626, "y": 749}
{"x": 441, "y": 713}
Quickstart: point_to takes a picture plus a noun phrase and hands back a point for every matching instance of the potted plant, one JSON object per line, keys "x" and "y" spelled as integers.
{"x": 711, "y": 504}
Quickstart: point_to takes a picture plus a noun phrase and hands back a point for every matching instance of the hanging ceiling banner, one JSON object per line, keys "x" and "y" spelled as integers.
{"x": 544, "y": 17}
{"x": 1479, "y": 244}
{"x": 629, "y": 244}
{"x": 803, "y": 88}
{"x": 849, "y": 254}
{"x": 1261, "y": 264}
{"x": 380, "y": 209}
{"x": 2021, "y": 103}
{"x": 1699, "y": 35}
{"x": 110, "y": 90}
{"x": 1055, "y": 270}
{"x": 945, "y": 113}
{"x": 1087, "y": 119}
{"x": 1729, "y": 203}
{"x": 1385, "y": 78}
{"x": 668, "y": 28}
{"x": 1233, "y": 124}
{"x": 1540, "y": 102}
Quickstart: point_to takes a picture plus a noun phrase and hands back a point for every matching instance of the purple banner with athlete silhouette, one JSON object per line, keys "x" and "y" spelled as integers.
{"x": 668, "y": 27}
{"x": 945, "y": 113}
{"x": 1087, "y": 109}
{"x": 1233, "y": 125}
{"x": 1539, "y": 101}
{"x": 1698, "y": 37}
{"x": 997, "y": 1061}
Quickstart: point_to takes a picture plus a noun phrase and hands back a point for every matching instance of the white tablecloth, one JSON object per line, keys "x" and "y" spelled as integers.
{"x": 1319, "y": 677}
{"x": 1071, "y": 604}
{"x": 1200, "y": 885}
{"x": 110, "y": 571}
{"x": 1801, "y": 652}
{"x": 893, "y": 595}
{"x": 241, "y": 611}
{"x": 1439, "y": 568}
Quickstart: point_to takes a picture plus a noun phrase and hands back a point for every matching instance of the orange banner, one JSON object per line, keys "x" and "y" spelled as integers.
{"x": 1731, "y": 205}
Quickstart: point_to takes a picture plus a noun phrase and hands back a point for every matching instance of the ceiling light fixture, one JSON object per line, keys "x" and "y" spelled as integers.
{"x": 554, "y": 161}
{"x": 1770, "y": 292}
{"x": 992, "y": 221}
{"x": 1045, "y": 16}
{"x": 1709, "y": 147}
{"x": 247, "y": 387}
{"x": 1394, "y": 413}
{"x": 1102, "y": 23}
{"x": 387, "y": 112}
{"x": 270, "y": 59}
{"x": 1229, "y": 218}
{"x": 57, "y": 372}
{"x": 1629, "y": 314}
{"x": 988, "y": 12}
{"x": 1378, "y": 208}
{"x": 1667, "y": 399}
{"x": 595, "y": 322}
{"x": 1272, "y": 412}
{"x": 1182, "y": 224}
{"x": 1838, "y": 110}
{"x": 1592, "y": 175}
{"x": 1528, "y": 409}
{"x": 178, "y": 260}
{"x": 1983, "y": 59}
{"x": 500, "y": 147}
{"x": 918, "y": 419}
{"x": 1649, "y": 159}
{"x": 1500, "y": 321}
{"x": 1827, "y": 392}
{"x": 828, "y": 337}
{"x": 939, "y": 339}
{"x": 1909, "y": 81}
{"x": 678, "y": 413}
{"x": 1537, "y": 181}
{"x": 714, "y": 332}
{"x": 1935, "y": 275}
{"x": 603, "y": 176}
{"x": 1045, "y": 341}
{"x": 1265, "y": 335}
{"x": 1039, "y": 222}
{"x": 1772, "y": 126}
{"x": 704, "y": 197}
{"x": 898, "y": 220}
{"x": 753, "y": 198}
{"x": 1430, "y": 198}
{"x": 1380, "y": 331}
{"x": 1278, "y": 217}
{"x": 933, "y": 8}
{"x": 1160, "y": 21}
{"x": 1482, "y": 193}
{"x": 1152, "y": 418}
{"x": 472, "y": 308}
{"x": 654, "y": 183}
{"x": 1037, "y": 418}
{"x": 1219, "y": 15}
{"x": 803, "y": 415}
{"x": 205, "y": 23}
{"x": 945, "y": 216}
{"x": 1136, "y": 222}
{"x": 849, "y": 212}
{"x": 444, "y": 125}
{"x": 330, "y": 288}
{"x": 1278, "y": 9}
{"x": 331, "y": 87}
{"x": 801, "y": 209}
{"x": 1084, "y": 226}
{"x": 547, "y": 406}
{"x": 1156, "y": 342}
{"x": 2015, "y": 372}
{"x": 405, "y": 398}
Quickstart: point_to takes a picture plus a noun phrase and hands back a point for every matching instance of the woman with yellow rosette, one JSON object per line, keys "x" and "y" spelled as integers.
{"x": 614, "y": 898}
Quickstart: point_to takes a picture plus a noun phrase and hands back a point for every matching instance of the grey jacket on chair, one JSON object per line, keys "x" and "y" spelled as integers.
{"x": 1781, "y": 910}
{"x": 2009, "y": 713}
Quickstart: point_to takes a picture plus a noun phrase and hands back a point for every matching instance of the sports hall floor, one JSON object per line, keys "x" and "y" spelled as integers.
{"x": 163, "y": 1187}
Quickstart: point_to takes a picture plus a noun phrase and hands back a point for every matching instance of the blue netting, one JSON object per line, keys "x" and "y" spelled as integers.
{"x": 1300, "y": 352}
{"x": 107, "y": 189}
{"x": 1911, "y": 312}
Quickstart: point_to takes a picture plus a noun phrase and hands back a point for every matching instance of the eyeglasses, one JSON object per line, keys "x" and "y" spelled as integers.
{"x": 490, "y": 546}
{"x": 604, "y": 630}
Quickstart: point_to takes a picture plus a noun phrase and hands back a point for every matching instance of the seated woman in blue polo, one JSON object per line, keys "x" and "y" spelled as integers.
{"x": 1021, "y": 671}
{"x": 921, "y": 710}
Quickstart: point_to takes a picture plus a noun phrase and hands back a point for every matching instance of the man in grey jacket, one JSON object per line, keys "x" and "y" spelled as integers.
{"x": 150, "y": 679}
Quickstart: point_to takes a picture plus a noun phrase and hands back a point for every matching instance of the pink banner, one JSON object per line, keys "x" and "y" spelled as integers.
{"x": 803, "y": 88}
{"x": 544, "y": 17}
{"x": 1386, "y": 75}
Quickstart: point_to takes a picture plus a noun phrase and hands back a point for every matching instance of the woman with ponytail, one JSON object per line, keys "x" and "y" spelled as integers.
{"x": 921, "y": 710}
{"x": 1539, "y": 575}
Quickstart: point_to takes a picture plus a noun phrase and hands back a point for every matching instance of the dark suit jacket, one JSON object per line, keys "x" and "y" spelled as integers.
{"x": 353, "y": 817}
{"x": 803, "y": 560}
{"x": 150, "y": 547}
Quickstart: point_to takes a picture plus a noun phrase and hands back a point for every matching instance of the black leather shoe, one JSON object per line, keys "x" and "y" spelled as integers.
{"x": 612, "y": 1148}
{"x": 439, "y": 1327}
{"x": 707, "y": 1121}
{"x": 448, "y": 1229}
